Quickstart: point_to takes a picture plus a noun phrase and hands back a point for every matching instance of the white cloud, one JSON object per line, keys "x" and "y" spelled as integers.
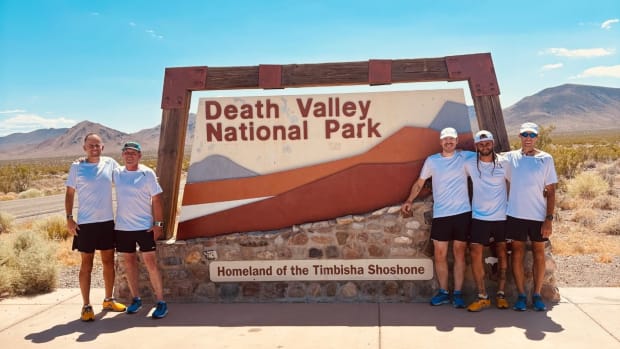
{"x": 607, "y": 24}
{"x": 132, "y": 24}
{"x": 13, "y": 111}
{"x": 580, "y": 52}
{"x": 153, "y": 34}
{"x": 31, "y": 122}
{"x": 552, "y": 66}
{"x": 612, "y": 71}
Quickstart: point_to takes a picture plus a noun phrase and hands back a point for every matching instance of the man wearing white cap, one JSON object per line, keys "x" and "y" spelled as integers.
{"x": 531, "y": 202}
{"x": 488, "y": 217}
{"x": 451, "y": 213}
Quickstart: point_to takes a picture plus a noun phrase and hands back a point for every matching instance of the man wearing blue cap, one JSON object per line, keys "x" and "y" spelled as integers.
{"x": 531, "y": 202}
{"x": 139, "y": 222}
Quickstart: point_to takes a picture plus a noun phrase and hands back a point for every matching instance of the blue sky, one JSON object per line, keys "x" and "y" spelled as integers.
{"x": 62, "y": 62}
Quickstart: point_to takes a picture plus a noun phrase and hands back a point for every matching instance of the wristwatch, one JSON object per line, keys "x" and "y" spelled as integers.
{"x": 158, "y": 223}
{"x": 549, "y": 217}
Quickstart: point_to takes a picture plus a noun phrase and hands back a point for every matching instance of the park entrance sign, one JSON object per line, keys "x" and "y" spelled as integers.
{"x": 179, "y": 83}
{"x": 270, "y": 162}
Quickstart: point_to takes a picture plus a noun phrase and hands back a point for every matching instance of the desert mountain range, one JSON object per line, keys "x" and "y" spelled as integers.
{"x": 570, "y": 108}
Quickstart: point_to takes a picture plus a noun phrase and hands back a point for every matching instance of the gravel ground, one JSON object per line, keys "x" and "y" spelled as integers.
{"x": 571, "y": 271}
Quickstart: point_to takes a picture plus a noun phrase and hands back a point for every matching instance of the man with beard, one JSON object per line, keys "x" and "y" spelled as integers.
{"x": 488, "y": 217}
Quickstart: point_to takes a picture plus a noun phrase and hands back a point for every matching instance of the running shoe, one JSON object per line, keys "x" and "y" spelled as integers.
{"x": 87, "y": 313}
{"x": 521, "y": 304}
{"x": 442, "y": 297}
{"x": 479, "y": 304}
{"x": 457, "y": 299}
{"x": 135, "y": 305}
{"x": 500, "y": 301}
{"x": 113, "y": 305}
{"x": 160, "y": 311}
{"x": 538, "y": 303}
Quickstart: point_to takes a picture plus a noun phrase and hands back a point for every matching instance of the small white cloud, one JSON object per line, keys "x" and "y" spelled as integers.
{"x": 612, "y": 71}
{"x": 607, "y": 24}
{"x": 580, "y": 52}
{"x": 94, "y": 13}
{"x": 13, "y": 111}
{"x": 153, "y": 34}
{"x": 31, "y": 122}
{"x": 132, "y": 24}
{"x": 553, "y": 66}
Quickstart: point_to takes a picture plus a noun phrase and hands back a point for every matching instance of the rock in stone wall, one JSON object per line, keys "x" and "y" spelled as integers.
{"x": 381, "y": 234}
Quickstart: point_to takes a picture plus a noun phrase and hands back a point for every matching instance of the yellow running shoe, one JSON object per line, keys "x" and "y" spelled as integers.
{"x": 87, "y": 313}
{"x": 479, "y": 304}
{"x": 501, "y": 301}
{"x": 113, "y": 305}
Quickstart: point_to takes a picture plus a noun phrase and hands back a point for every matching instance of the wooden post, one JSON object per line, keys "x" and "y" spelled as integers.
{"x": 477, "y": 69}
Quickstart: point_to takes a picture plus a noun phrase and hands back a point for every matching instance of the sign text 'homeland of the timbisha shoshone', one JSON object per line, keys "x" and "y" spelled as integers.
{"x": 323, "y": 270}
{"x": 264, "y": 163}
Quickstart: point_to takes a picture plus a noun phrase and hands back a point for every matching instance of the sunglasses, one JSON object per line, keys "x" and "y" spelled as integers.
{"x": 529, "y": 134}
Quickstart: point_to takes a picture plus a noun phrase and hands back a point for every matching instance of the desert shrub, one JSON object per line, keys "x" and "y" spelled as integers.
{"x": 585, "y": 216}
{"x": 30, "y": 193}
{"x": 6, "y": 222}
{"x": 15, "y": 178}
{"x": 605, "y": 202}
{"x": 587, "y": 185}
{"x": 8, "y": 196}
{"x": 53, "y": 227}
{"x": 611, "y": 226}
{"x": 28, "y": 261}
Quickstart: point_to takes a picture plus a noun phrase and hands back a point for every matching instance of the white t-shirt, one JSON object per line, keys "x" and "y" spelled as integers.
{"x": 449, "y": 180}
{"x": 528, "y": 176}
{"x": 93, "y": 184}
{"x": 489, "y": 181}
{"x": 134, "y": 192}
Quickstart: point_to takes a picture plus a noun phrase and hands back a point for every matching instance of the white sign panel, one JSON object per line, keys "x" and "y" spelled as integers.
{"x": 322, "y": 270}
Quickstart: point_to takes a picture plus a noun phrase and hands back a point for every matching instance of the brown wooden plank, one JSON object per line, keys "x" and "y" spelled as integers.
{"x": 170, "y": 160}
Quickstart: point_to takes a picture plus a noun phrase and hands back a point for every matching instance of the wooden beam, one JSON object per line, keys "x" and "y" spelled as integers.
{"x": 477, "y": 69}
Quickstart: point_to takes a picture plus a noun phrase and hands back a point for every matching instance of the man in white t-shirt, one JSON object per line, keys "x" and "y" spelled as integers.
{"x": 451, "y": 213}
{"x": 531, "y": 202}
{"x": 488, "y": 224}
{"x": 91, "y": 180}
{"x": 139, "y": 222}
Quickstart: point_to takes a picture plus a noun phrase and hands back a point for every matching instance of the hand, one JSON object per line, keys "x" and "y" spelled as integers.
{"x": 547, "y": 229}
{"x": 157, "y": 232}
{"x": 72, "y": 227}
{"x": 405, "y": 209}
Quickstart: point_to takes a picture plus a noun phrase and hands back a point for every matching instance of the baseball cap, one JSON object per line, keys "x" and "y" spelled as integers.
{"x": 483, "y": 135}
{"x": 448, "y": 132}
{"x": 529, "y": 127}
{"x": 132, "y": 145}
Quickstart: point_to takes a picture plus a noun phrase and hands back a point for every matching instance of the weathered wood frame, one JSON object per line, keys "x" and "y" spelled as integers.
{"x": 179, "y": 83}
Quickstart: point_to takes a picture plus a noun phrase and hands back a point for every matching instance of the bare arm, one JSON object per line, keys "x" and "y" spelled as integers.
{"x": 69, "y": 200}
{"x": 547, "y": 229}
{"x": 415, "y": 190}
{"x": 157, "y": 215}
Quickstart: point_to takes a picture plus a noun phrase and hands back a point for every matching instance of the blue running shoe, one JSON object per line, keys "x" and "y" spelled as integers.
{"x": 136, "y": 304}
{"x": 442, "y": 297}
{"x": 457, "y": 299}
{"x": 521, "y": 303}
{"x": 538, "y": 302}
{"x": 160, "y": 311}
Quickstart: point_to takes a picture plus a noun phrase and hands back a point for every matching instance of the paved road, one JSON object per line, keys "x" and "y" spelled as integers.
{"x": 30, "y": 208}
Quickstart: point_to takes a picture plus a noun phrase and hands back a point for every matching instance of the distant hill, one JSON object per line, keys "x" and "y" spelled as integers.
{"x": 68, "y": 141}
{"x": 570, "y": 108}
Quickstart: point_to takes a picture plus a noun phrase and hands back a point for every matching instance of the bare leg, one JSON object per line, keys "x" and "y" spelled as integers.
{"x": 458, "y": 249}
{"x": 131, "y": 269}
{"x": 107, "y": 259}
{"x": 502, "y": 262}
{"x": 538, "y": 251}
{"x": 150, "y": 260}
{"x": 518, "y": 252}
{"x": 441, "y": 262}
{"x": 477, "y": 267}
{"x": 86, "y": 268}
